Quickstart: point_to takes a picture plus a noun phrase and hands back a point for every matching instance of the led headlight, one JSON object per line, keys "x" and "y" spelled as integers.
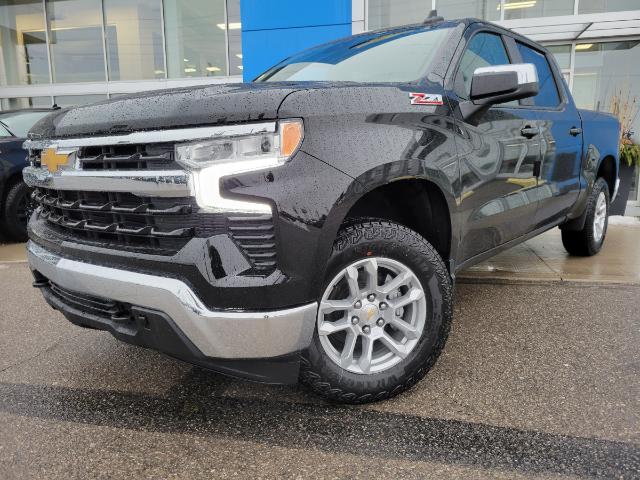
{"x": 214, "y": 158}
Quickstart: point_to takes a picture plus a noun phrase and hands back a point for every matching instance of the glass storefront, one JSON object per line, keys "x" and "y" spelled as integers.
{"x": 603, "y": 70}
{"x": 74, "y": 41}
{"x": 485, "y": 9}
{"x": 25, "y": 102}
{"x": 64, "y": 101}
{"x": 600, "y": 71}
{"x": 235, "y": 37}
{"x": 188, "y": 22}
{"x": 133, "y": 34}
{"x": 514, "y": 9}
{"x": 602, "y": 6}
{"x": 23, "y": 45}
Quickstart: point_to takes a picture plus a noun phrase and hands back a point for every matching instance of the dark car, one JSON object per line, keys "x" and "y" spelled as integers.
{"x": 309, "y": 225}
{"x": 15, "y": 202}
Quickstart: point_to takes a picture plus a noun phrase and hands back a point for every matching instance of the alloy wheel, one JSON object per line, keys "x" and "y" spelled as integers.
{"x": 372, "y": 315}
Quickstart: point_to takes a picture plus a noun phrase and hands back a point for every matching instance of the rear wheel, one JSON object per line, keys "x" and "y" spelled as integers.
{"x": 589, "y": 240}
{"x": 18, "y": 207}
{"x": 384, "y": 315}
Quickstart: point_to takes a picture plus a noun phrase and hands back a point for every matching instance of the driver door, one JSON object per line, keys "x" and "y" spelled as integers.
{"x": 499, "y": 158}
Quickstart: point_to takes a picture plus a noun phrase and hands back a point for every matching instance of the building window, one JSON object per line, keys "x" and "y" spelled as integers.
{"x": 65, "y": 101}
{"x": 515, "y": 9}
{"x": 601, "y": 6}
{"x": 75, "y": 40}
{"x": 25, "y": 102}
{"x": 195, "y": 38}
{"x": 23, "y": 46}
{"x": 133, "y": 32}
{"x": 388, "y": 13}
{"x": 603, "y": 70}
{"x": 235, "y": 37}
{"x": 484, "y": 9}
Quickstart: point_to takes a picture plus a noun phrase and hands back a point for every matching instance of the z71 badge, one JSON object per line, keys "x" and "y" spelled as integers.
{"x": 425, "y": 99}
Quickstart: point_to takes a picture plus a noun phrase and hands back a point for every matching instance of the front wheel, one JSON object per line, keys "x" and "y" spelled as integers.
{"x": 383, "y": 317}
{"x": 18, "y": 208}
{"x": 589, "y": 240}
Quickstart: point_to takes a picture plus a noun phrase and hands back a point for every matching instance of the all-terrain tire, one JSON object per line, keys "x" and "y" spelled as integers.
{"x": 371, "y": 238}
{"x": 17, "y": 209}
{"x": 586, "y": 242}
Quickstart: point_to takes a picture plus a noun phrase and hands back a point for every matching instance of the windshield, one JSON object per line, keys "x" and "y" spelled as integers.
{"x": 4, "y": 132}
{"x": 393, "y": 56}
{"x": 21, "y": 122}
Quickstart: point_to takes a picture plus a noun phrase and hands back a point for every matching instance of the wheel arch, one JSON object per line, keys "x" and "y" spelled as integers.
{"x": 607, "y": 169}
{"x": 416, "y": 203}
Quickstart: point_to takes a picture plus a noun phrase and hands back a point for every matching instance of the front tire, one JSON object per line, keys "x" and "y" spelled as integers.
{"x": 18, "y": 207}
{"x": 384, "y": 315}
{"x": 589, "y": 240}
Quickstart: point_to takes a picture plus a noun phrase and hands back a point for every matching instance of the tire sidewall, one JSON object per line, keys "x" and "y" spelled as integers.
{"x": 593, "y": 245}
{"x": 14, "y": 228}
{"x": 385, "y": 239}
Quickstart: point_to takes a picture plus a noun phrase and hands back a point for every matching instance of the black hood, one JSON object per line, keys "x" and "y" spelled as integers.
{"x": 162, "y": 109}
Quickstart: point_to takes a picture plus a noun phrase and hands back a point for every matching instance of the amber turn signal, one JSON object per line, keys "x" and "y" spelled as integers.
{"x": 291, "y": 133}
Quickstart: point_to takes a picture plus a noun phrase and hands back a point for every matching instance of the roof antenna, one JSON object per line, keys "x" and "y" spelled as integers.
{"x": 433, "y": 17}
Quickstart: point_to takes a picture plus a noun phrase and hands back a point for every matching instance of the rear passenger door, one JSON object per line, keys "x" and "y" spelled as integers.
{"x": 499, "y": 152}
{"x": 560, "y": 138}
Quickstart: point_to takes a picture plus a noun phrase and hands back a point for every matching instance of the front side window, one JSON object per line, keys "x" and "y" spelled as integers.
{"x": 403, "y": 55}
{"x": 484, "y": 50}
{"x": 548, "y": 94}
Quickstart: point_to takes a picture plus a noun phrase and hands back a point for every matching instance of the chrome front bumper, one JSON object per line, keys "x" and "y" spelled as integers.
{"x": 217, "y": 334}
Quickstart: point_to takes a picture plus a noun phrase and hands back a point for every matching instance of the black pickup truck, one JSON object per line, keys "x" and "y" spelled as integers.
{"x": 309, "y": 225}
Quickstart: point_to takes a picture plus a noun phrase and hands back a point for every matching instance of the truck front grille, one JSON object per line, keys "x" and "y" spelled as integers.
{"x": 121, "y": 157}
{"x": 127, "y": 157}
{"x": 160, "y": 226}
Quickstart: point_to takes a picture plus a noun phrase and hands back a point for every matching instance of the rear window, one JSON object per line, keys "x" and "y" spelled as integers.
{"x": 548, "y": 95}
{"x": 395, "y": 56}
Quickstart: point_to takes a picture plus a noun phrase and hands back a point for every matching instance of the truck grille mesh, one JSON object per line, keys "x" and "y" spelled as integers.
{"x": 152, "y": 225}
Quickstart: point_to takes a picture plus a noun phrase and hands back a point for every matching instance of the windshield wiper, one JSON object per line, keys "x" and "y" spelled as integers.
{"x": 7, "y": 128}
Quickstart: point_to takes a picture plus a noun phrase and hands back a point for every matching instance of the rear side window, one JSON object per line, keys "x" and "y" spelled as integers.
{"x": 484, "y": 50}
{"x": 548, "y": 95}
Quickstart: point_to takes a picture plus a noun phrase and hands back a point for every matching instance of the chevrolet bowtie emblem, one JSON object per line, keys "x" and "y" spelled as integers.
{"x": 53, "y": 160}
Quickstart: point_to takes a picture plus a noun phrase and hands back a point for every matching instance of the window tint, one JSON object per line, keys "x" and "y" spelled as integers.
{"x": 548, "y": 95}
{"x": 485, "y": 49}
{"x": 401, "y": 55}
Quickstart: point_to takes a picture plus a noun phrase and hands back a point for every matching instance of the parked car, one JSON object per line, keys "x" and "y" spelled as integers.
{"x": 309, "y": 225}
{"x": 15, "y": 202}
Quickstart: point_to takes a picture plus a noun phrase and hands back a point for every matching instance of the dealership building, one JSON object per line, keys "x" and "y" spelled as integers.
{"x": 73, "y": 52}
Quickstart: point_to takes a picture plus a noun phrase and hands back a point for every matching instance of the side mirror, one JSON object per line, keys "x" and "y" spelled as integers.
{"x": 499, "y": 84}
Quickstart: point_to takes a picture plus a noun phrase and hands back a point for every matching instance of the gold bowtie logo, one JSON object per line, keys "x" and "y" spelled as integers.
{"x": 51, "y": 159}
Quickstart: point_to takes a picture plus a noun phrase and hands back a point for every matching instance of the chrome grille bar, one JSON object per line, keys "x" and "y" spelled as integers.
{"x": 148, "y": 183}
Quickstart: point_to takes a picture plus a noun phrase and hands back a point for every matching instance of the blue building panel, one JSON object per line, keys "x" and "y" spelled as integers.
{"x": 273, "y": 30}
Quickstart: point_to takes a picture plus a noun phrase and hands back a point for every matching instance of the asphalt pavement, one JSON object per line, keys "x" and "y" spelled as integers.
{"x": 535, "y": 382}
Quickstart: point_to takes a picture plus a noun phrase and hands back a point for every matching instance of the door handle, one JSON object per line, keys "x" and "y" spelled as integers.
{"x": 529, "y": 132}
{"x": 575, "y": 131}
